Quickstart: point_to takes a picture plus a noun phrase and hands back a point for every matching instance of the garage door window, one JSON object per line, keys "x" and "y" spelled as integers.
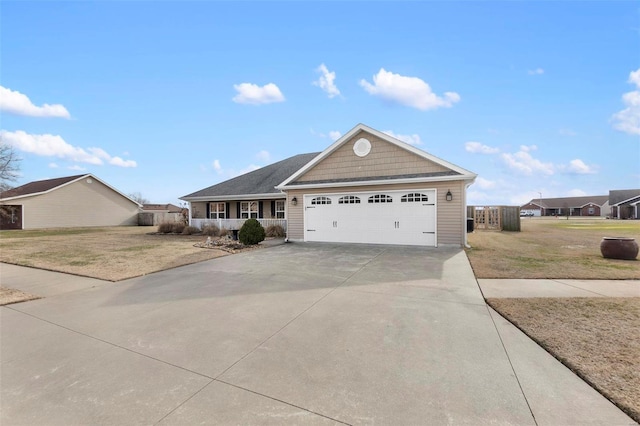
{"x": 414, "y": 198}
{"x": 349, "y": 199}
{"x": 320, "y": 200}
{"x": 380, "y": 198}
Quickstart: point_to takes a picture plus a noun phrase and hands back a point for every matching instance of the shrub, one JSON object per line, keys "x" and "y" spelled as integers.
{"x": 165, "y": 227}
{"x": 223, "y": 232}
{"x": 211, "y": 230}
{"x": 251, "y": 232}
{"x": 178, "y": 227}
{"x": 276, "y": 231}
{"x": 188, "y": 230}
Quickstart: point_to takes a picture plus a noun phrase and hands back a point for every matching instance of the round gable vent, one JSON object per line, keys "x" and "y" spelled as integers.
{"x": 362, "y": 147}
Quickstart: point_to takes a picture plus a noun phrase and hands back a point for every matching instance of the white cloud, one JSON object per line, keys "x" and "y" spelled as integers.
{"x": 413, "y": 139}
{"x": 478, "y": 148}
{"x": 253, "y": 94}
{"x": 628, "y": 120}
{"x": 48, "y": 145}
{"x": 117, "y": 161}
{"x": 77, "y": 168}
{"x": 325, "y": 81}
{"x": 334, "y": 135}
{"x": 217, "y": 167}
{"x": 634, "y": 78}
{"x": 578, "y": 167}
{"x": 537, "y": 71}
{"x": 409, "y": 91}
{"x": 15, "y": 102}
{"x": 53, "y": 166}
{"x": 524, "y": 163}
{"x": 567, "y": 132}
{"x": 528, "y": 148}
{"x": 576, "y": 193}
{"x": 485, "y": 183}
{"x": 263, "y": 156}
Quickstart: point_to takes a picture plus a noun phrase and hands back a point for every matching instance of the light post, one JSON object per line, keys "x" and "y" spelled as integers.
{"x": 540, "y": 193}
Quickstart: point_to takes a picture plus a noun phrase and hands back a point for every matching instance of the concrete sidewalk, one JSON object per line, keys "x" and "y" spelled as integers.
{"x": 296, "y": 334}
{"x": 502, "y": 288}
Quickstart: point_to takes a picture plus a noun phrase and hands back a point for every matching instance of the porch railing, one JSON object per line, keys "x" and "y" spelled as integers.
{"x": 234, "y": 224}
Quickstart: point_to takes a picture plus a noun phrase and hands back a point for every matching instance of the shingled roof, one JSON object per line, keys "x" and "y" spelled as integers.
{"x": 261, "y": 181}
{"x": 565, "y": 202}
{"x": 172, "y": 208}
{"x": 621, "y": 195}
{"x": 38, "y": 186}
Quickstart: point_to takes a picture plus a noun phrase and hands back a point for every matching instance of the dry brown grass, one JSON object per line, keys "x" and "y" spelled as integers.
{"x": 552, "y": 248}
{"x": 106, "y": 253}
{"x": 9, "y": 295}
{"x": 598, "y": 338}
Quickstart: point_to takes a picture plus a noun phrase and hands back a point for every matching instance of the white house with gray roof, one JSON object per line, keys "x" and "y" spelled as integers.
{"x": 367, "y": 187}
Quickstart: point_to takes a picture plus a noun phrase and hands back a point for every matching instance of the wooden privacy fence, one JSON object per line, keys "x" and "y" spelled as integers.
{"x": 496, "y": 218}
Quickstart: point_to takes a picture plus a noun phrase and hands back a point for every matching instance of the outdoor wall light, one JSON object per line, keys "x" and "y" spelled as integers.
{"x": 449, "y": 195}
{"x": 294, "y": 201}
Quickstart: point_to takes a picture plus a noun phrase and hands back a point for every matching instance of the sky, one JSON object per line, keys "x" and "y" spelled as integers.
{"x": 163, "y": 98}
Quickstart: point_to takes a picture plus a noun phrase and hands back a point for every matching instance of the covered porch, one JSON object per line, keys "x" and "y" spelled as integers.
{"x": 235, "y": 224}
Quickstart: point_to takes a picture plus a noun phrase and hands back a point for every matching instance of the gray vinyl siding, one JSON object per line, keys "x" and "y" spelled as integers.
{"x": 79, "y": 204}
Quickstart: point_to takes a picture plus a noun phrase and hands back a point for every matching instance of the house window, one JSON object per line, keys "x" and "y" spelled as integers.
{"x": 380, "y": 198}
{"x": 320, "y": 200}
{"x": 280, "y": 209}
{"x": 414, "y": 198}
{"x": 217, "y": 211}
{"x": 592, "y": 211}
{"x": 248, "y": 209}
{"x": 349, "y": 199}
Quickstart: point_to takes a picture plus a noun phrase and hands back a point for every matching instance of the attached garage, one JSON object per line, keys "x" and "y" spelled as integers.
{"x": 406, "y": 217}
{"x": 369, "y": 187}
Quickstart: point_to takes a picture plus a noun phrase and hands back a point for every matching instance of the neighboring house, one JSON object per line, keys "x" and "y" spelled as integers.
{"x": 73, "y": 201}
{"x": 367, "y": 187}
{"x": 159, "y": 213}
{"x": 625, "y": 203}
{"x": 594, "y": 205}
{"x": 161, "y": 208}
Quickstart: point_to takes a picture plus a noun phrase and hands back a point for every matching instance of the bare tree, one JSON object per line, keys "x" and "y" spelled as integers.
{"x": 9, "y": 166}
{"x": 137, "y": 196}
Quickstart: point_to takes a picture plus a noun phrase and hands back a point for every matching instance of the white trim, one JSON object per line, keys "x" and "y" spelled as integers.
{"x": 88, "y": 175}
{"x": 466, "y": 174}
{"x": 244, "y": 197}
{"x": 627, "y": 200}
{"x": 379, "y": 182}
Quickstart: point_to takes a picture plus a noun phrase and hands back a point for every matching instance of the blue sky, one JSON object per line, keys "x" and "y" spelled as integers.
{"x": 165, "y": 98}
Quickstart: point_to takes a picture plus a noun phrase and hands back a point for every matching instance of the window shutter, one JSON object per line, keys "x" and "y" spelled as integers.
{"x": 226, "y": 211}
{"x": 273, "y": 209}
{"x": 238, "y": 209}
{"x": 260, "y": 210}
{"x": 208, "y": 211}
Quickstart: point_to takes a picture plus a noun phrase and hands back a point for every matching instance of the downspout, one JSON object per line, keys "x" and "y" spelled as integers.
{"x": 190, "y": 213}
{"x": 464, "y": 206}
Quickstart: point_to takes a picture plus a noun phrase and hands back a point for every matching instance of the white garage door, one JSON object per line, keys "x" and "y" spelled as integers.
{"x": 384, "y": 217}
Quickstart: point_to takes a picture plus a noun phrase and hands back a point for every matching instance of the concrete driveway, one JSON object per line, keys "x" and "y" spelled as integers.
{"x": 293, "y": 334}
